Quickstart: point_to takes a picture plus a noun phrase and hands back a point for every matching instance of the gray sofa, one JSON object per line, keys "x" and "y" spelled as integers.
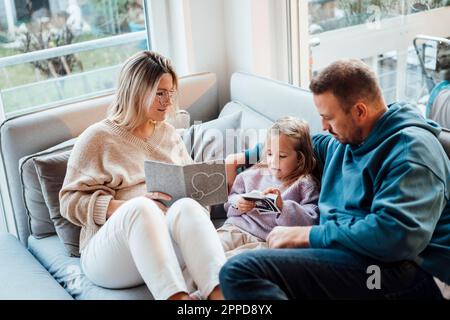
{"x": 39, "y": 266}
{"x": 35, "y": 265}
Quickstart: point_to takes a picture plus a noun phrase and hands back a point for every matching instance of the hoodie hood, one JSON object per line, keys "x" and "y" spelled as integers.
{"x": 399, "y": 116}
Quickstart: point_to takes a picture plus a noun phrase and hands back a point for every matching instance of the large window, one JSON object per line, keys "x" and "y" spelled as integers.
{"x": 380, "y": 32}
{"x": 326, "y": 15}
{"x": 54, "y": 51}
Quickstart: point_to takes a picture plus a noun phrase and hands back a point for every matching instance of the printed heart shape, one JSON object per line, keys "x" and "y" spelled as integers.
{"x": 197, "y": 195}
{"x": 206, "y": 184}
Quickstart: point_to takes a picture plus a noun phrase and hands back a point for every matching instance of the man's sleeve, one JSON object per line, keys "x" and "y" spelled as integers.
{"x": 404, "y": 214}
{"x": 320, "y": 144}
{"x": 253, "y": 155}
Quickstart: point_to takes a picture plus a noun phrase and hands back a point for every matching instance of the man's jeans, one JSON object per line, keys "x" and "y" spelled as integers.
{"x": 322, "y": 274}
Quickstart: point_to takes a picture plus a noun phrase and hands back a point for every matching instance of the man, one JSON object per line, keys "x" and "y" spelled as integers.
{"x": 384, "y": 231}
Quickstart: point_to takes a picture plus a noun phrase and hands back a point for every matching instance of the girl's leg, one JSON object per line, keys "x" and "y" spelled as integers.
{"x": 235, "y": 240}
{"x": 230, "y": 236}
{"x": 133, "y": 247}
{"x": 197, "y": 242}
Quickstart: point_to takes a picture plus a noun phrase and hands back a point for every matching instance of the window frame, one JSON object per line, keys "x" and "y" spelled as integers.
{"x": 72, "y": 49}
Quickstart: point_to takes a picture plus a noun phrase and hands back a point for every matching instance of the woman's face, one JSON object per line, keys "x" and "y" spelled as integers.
{"x": 164, "y": 99}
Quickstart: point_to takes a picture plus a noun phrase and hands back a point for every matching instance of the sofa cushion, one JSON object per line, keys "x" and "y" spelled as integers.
{"x": 51, "y": 169}
{"x": 67, "y": 271}
{"x": 254, "y": 125}
{"x": 274, "y": 99}
{"x": 187, "y": 135}
{"x": 212, "y": 139}
{"x": 180, "y": 120}
{"x": 40, "y": 223}
{"x": 22, "y": 276}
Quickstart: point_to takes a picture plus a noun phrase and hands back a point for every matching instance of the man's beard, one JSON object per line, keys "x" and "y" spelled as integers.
{"x": 357, "y": 136}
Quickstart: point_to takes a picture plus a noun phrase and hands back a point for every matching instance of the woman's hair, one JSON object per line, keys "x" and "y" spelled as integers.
{"x": 298, "y": 130}
{"x": 138, "y": 83}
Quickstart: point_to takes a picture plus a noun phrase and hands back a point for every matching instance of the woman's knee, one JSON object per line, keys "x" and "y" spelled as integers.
{"x": 143, "y": 208}
{"x": 188, "y": 203}
{"x": 185, "y": 207}
{"x": 187, "y": 215}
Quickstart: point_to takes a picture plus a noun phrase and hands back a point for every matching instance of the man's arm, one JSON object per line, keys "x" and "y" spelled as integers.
{"x": 320, "y": 144}
{"x": 404, "y": 214}
{"x": 236, "y": 161}
{"x": 232, "y": 164}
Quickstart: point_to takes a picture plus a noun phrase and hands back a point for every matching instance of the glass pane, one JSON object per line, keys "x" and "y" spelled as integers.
{"x": 415, "y": 85}
{"x": 326, "y": 15}
{"x": 39, "y": 25}
{"x": 382, "y": 46}
{"x": 387, "y": 75}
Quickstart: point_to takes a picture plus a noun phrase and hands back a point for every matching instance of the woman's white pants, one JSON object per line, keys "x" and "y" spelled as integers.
{"x": 174, "y": 252}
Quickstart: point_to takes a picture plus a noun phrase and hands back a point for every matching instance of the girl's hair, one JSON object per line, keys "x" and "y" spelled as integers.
{"x": 138, "y": 83}
{"x": 299, "y": 131}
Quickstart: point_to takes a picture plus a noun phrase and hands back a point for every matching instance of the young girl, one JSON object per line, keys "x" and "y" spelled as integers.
{"x": 285, "y": 170}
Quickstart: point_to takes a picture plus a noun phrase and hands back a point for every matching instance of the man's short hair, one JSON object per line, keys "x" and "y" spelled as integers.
{"x": 350, "y": 81}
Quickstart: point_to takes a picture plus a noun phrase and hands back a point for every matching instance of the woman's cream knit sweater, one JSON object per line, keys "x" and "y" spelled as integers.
{"x": 107, "y": 162}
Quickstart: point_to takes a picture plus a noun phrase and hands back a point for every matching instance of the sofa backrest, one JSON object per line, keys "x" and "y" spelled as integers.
{"x": 30, "y": 133}
{"x": 264, "y": 100}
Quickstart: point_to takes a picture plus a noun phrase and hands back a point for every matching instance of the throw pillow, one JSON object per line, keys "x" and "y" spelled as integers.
{"x": 41, "y": 225}
{"x": 51, "y": 170}
{"x": 181, "y": 119}
{"x": 215, "y": 139}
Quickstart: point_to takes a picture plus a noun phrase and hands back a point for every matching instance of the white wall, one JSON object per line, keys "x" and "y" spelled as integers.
{"x": 208, "y": 45}
{"x": 256, "y": 37}
{"x": 237, "y": 35}
{"x": 222, "y": 36}
{"x": 225, "y": 36}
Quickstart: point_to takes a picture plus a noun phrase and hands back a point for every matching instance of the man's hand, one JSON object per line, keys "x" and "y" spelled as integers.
{"x": 155, "y": 196}
{"x": 289, "y": 237}
{"x": 278, "y": 193}
{"x": 245, "y": 205}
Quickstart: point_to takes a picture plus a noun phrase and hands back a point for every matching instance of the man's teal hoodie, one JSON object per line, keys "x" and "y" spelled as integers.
{"x": 388, "y": 198}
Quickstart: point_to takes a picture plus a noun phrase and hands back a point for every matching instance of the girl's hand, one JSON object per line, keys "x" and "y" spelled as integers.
{"x": 245, "y": 205}
{"x": 276, "y": 191}
{"x": 155, "y": 196}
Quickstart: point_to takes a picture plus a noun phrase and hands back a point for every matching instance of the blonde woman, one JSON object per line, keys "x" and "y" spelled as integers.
{"x": 128, "y": 237}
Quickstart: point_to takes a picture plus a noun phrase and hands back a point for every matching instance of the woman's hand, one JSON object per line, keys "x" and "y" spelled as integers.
{"x": 245, "y": 205}
{"x": 156, "y": 196}
{"x": 276, "y": 191}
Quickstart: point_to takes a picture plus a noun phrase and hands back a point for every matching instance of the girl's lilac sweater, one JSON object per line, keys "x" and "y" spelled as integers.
{"x": 299, "y": 203}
